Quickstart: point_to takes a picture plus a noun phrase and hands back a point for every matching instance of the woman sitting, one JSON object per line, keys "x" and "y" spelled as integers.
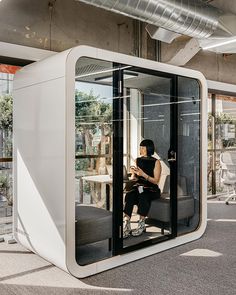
{"x": 147, "y": 175}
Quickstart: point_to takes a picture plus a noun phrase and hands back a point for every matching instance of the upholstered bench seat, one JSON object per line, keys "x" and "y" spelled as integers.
{"x": 160, "y": 208}
{"x": 92, "y": 224}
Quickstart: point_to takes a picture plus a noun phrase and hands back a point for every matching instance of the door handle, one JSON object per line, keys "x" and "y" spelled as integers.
{"x": 171, "y": 160}
{"x": 172, "y": 156}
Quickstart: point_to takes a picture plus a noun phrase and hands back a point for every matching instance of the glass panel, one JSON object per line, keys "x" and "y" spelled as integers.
{"x": 6, "y": 192}
{"x": 221, "y": 139}
{"x": 93, "y": 160}
{"x": 188, "y": 154}
{"x": 225, "y": 122}
{"x": 210, "y": 146}
{"x": 225, "y": 141}
{"x": 146, "y": 116}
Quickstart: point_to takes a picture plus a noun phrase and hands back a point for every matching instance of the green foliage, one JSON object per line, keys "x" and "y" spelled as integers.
{"x": 6, "y": 110}
{"x": 8, "y": 146}
{"x": 6, "y": 187}
{"x": 82, "y": 164}
{"x": 91, "y": 109}
{"x": 220, "y": 120}
{"x": 4, "y": 182}
{"x": 92, "y": 119}
{"x": 225, "y": 118}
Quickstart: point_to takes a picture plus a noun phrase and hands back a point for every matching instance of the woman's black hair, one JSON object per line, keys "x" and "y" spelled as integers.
{"x": 148, "y": 143}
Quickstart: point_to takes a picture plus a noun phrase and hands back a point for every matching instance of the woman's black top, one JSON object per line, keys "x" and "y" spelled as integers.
{"x": 147, "y": 164}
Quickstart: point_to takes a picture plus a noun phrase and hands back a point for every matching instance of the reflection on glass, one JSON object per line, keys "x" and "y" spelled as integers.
{"x": 188, "y": 155}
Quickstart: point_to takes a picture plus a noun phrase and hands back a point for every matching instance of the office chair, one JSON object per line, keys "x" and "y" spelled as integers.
{"x": 228, "y": 173}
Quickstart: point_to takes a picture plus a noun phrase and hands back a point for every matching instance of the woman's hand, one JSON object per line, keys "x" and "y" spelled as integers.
{"x": 139, "y": 172}
{"x": 133, "y": 169}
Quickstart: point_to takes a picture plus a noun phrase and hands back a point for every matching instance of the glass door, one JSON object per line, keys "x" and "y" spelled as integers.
{"x": 145, "y": 108}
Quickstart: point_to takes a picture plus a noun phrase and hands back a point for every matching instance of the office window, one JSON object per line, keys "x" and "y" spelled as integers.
{"x": 221, "y": 138}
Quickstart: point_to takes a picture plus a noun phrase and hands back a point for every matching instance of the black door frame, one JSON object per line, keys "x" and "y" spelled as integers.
{"x": 117, "y": 117}
{"x": 118, "y": 82}
{"x": 173, "y": 153}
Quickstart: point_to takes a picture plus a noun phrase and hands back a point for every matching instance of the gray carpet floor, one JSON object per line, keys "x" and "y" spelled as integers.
{"x": 204, "y": 267}
{"x": 170, "y": 272}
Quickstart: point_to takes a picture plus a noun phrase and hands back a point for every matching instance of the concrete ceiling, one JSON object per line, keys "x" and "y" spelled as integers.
{"x": 226, "y": 5}
{"x": 186, "y": 53}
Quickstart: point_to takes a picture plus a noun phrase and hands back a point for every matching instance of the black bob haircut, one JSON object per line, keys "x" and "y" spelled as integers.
{"x": 148, "y": 143}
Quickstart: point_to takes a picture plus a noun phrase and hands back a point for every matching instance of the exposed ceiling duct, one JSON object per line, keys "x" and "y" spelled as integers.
{"x": 189, "y": 17}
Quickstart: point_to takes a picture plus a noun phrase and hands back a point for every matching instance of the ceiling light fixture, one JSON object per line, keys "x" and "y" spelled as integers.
{"x": 219, "y": 44}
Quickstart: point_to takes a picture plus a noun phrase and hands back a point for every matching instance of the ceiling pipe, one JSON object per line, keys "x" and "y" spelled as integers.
{"x": 188, "y": 17}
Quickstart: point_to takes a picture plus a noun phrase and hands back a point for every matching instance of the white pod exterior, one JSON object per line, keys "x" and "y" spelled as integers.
{"x": 44, "y": 159}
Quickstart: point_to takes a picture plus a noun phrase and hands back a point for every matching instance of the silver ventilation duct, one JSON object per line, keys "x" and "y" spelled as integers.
{"x": 189, "y": 17}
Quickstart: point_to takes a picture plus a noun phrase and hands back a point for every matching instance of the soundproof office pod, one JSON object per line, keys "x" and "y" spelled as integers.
{"x": 79, "y": 117}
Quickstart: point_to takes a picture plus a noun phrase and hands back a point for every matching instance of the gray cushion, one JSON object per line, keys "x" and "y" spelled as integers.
{"x": 92, "y": 224}
{"x": 160, "y": 208}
